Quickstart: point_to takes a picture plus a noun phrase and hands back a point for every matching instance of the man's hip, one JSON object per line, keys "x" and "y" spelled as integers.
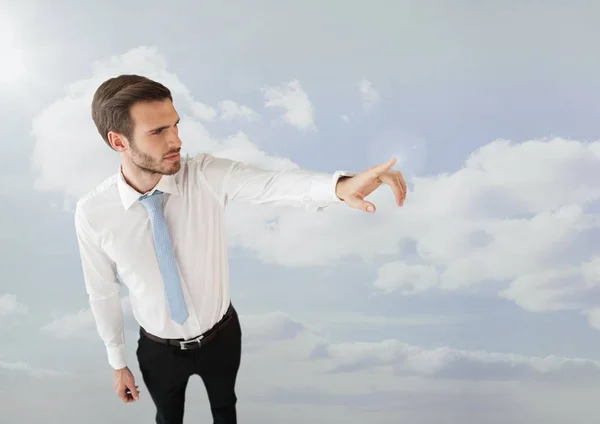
{"x": 197, "y": 342}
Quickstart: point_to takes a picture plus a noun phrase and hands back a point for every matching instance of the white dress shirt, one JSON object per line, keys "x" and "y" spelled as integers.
{"x": 116, "y": 245}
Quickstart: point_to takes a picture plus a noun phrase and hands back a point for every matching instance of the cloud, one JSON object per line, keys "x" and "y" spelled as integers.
{"x": 593, "y": 317}
{"x": 80, "y": 324}
{"x": 92, "y": 160}
{"x": 10, "y": 306}
{"x": 449, "y": 363}
{"x": 370, "y": 96}
{"x": 293, "y": 99}
{"x": 231, "y": 110}
{"x": 414, "y": 400}
{"x": 8, "y": 369}
{"x": 290, "y": 368}
{"x": 277, "y": 338}
{"x": 590, "y": 271}
{"x": 513, "y": 210}
{"x": 466, "y": 222}
{"x": 259, "y": 330}
{"x": 398, "y": 275}
{"x": 553, "y": 290}
{"x": 203, "y": 111}
{"x": 514, "y": 213}
{"x": 399, "y": 378}
{"x": 271, "y": 327}
{"x": 228, "y": 110}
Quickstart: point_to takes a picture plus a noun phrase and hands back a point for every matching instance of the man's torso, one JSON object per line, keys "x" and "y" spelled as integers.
{"x": 195, "y": 218}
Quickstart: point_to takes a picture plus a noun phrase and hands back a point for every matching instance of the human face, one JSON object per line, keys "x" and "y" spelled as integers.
{"x": 155, "y": 145}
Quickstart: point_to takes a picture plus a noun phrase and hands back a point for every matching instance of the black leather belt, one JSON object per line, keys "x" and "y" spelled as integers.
{"x": 195, "y": 342}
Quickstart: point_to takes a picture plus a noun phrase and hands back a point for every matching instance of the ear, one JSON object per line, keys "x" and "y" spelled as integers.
{"x": 117, "y": 141}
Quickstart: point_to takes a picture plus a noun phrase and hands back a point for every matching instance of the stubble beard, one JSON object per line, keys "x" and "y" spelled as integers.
{"x": 150, "y": 165}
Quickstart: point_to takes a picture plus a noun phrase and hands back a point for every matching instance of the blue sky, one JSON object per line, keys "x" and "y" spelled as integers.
{"x": 477, "y": 300}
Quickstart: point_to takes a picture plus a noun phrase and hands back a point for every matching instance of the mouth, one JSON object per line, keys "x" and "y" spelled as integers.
{"x": 173, "y": 156}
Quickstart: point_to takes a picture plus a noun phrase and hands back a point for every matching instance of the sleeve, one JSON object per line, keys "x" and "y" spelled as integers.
{"x": 103, "y": 291}
{"x": 296, "y": 187}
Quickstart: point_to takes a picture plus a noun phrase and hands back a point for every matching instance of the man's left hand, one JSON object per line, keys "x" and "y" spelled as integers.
{"x": 354, "y": 190}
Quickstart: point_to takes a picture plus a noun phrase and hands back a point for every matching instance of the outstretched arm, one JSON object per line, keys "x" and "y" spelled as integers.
{"x": 299, "y": 187}
{"x": 296, "y": 187}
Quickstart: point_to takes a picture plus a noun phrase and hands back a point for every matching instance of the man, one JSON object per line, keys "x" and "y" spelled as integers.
{"x": 157, "y": 226}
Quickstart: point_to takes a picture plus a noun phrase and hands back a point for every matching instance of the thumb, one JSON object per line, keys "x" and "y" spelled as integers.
{"x": 358, "y": 203}
{"x": 134, "y": 390}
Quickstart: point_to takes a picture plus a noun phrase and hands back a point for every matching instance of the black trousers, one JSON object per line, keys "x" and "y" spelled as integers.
{"x": 167, "y": 369}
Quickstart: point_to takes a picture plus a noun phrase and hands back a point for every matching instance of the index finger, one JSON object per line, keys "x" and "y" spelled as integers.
{"x": 384, "y": 167}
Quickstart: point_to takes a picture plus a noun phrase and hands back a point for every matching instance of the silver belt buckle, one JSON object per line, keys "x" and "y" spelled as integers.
{"x": 184, "y": 344}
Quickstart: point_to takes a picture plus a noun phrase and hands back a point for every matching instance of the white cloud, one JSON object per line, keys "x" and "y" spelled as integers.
{"x": 80, "y": 324}
{"x": 378, "y": 397}
{"x": 591, "y": 271}
{"x": 287, "y": 367}
{"x": 94, "y": 160}
{"x": 552, "y": 290}
{"x": 231, "y": 110}
{"x": 409, "y": 278}
{"x": 593, "y": 317}
{"x": 358, "y": 320}
{"x": 203, "y": 111}
{"x": 495, "y": 219}
{"x": 312, "y": 370}
{"x": 448, "y": 363}
{"x": 10, "y": 306}
{"x": 25, "y": 368}
{"x": 559, "y": 289}
{"x": 276, "y": 338}
{"x": 513, "y": 213}
{"x": 370, "y": 96}
{"x": 475, "y": 224}
{"x": 271, "y": 327}
{"x": 228, "y": 110}
{"x": 294, "y": 100}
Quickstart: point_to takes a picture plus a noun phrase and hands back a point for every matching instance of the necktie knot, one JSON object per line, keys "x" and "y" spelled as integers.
{"x": 152, "y": 202}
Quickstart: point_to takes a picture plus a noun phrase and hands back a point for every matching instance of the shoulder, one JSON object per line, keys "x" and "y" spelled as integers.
{"x": 95, "y": 197}
{"x": 213, "y": 169}
{"x": 210, "y": 171}
{"x": 206, "y": 162}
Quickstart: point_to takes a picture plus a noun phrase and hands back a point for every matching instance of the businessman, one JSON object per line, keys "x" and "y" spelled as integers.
{"x": 157, "y": 226}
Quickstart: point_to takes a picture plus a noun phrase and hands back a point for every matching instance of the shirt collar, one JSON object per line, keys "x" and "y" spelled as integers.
{"x": 129, "y": 195}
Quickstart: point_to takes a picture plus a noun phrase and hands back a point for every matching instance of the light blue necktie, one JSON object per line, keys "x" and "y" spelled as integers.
{"x": 166, "y": 256}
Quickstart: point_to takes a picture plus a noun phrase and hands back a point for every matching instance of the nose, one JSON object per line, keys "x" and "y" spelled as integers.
{"x": 174, "y": 140}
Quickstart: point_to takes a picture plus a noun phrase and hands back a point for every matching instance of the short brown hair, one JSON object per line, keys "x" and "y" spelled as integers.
{"x": 113, "y": 100}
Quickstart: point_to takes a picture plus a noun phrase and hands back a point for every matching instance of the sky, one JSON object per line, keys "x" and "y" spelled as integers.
{"x": 476, "y": 302}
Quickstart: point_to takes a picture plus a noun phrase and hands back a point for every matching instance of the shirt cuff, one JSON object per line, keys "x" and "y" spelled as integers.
{"x": 117, "y": 357}
{"x": 324, "y": 190}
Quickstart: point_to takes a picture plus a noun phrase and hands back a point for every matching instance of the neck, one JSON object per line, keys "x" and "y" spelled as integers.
{"x": 139, "y": 179}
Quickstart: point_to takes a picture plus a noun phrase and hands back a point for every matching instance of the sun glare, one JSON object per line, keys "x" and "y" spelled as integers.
{"x": 11, "y": 56}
